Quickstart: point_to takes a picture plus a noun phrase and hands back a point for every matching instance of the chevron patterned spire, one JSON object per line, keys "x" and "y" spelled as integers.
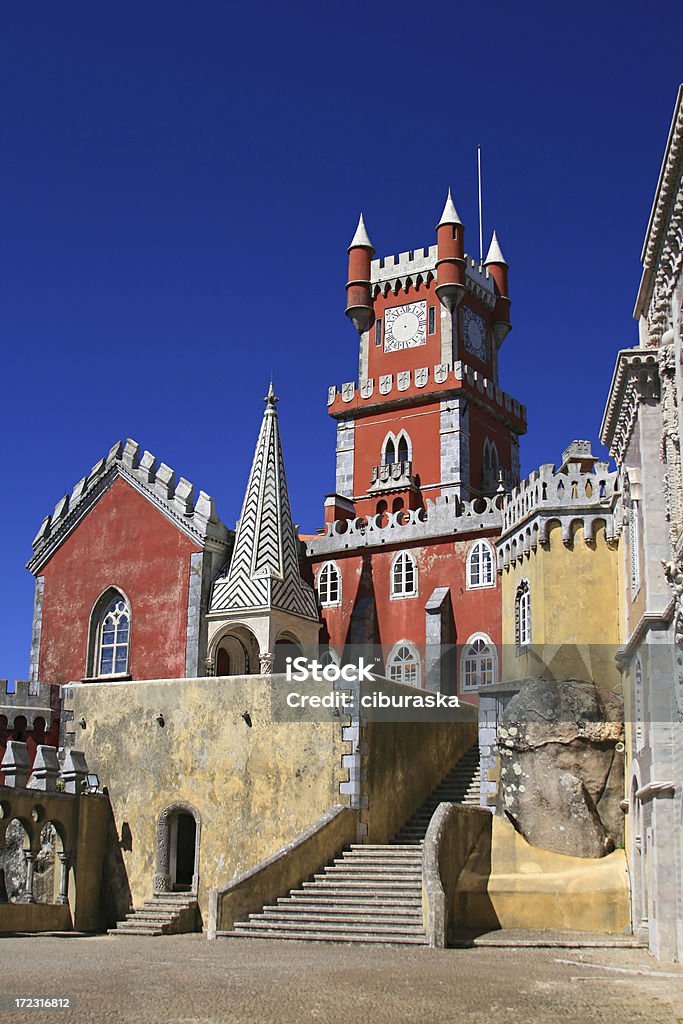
{"x": 264, "y": 569}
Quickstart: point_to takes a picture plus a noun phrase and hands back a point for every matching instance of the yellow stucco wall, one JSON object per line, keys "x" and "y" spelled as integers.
{"x": 574, "y": 601}
{"x": 255, "y": 788}
{"x": 507, "y": 883}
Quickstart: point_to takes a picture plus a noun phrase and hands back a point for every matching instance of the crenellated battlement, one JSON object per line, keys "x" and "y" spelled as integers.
{"x": 442, "y": 377}
{"x": 157, "y": 481}
{"x": 29, "y": 700}
{"x": 395, "y": 272}
{"x": 571, "y": 496}
{"x": 445, "y": 516}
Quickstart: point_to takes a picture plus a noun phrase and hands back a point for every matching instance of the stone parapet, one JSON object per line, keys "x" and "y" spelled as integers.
{"x": 446, "y": 516}
{"x": 29, "y": 700}
{"x": 411, "y": 387}
{"x": 391, "y": 273}
{"x": 196, "y": 516}
{"x": 568, "y": 497}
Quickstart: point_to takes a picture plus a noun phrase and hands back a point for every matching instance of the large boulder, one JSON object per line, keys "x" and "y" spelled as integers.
{"x": 562, "y": 766}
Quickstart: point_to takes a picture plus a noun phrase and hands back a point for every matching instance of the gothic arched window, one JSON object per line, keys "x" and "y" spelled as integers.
{"x": 403, "y": 664}
{"x": 329, "y": 585}
{"x": 404, "y": 575}
{"x": 479, "y": 663}
{"x": 403, "y": 449}
{"x": 389, "y": 451}
{"x": 480, "y": 566}
{"x": 113, "y": 636}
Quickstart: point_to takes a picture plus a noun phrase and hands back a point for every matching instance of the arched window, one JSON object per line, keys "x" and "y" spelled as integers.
{"x": 113, "y": 637}
{"x": 480, "y": 566}
{"x": 403, "y": 664}
{"x": 389, "y": 451}
{"x": 523, "y": 615}
{"x": 404, "y": 575}
{"x": 479, "y": 663}
{"x": 329, "y": 585}
{"x": 403, "y": 450}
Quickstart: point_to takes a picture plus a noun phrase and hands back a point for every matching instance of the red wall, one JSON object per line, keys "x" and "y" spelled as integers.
{"x": 441, "y": 564}
{"x": 124, "y": 542}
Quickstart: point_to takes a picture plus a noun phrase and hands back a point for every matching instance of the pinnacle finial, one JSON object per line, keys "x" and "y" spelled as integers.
{"x": 271, "y": 399}
{"x": 494, "y": 254}
{"x": 361, "y": 237}
{"x": 450, "y": 214}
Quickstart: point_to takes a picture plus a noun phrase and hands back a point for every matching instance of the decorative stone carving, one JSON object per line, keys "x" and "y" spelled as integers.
{"x": 403, "y": 380}
{"x": 348, "y": 391}
{"x": 670, "y": 448}
{"x": 267, "y": 664}
{"x": 331, "y": 394}
{"x": 385, "y": 383}
{"x": 421, "y": 377}
{"x": 162, "y": 876}
{"x": 367, "y": 387}
{"x": 440, "y": 372}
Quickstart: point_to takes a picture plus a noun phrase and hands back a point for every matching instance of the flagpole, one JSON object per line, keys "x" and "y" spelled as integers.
{"x": 481, "y": 231}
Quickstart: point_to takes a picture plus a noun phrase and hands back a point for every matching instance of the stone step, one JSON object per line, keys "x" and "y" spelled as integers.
{"x": 349, "y": 899}
{"x": 381, "y": 871}
{"x": 134, "y": 931}
{"x": 330, "y": 929}
{"x": 315, "y": 936}
{"x": 360, "y": 884}
{"x": 378, "y": 846}
{"x": 301, "y": 907}
{"x": 404, "y": 921}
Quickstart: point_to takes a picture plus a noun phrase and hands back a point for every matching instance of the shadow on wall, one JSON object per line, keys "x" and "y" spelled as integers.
{"x": 116, "y": 898}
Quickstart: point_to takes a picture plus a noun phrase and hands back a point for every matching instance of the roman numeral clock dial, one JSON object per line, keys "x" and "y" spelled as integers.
{"x": 405, "y": 326}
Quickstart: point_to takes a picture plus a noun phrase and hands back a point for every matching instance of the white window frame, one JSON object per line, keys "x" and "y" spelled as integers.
{"x": 116, "y": 598}
{"x": 475, "y": 555}
{"x": 323, "y": 581}
{"x": 393, "y": 663}
{"x": 468, "y": 656}
{"x": 399, "y": 592}
{"x": 523, "y": 616}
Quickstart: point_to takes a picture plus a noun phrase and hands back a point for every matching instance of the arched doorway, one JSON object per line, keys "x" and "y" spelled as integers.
{"x": 286, "y": 646}
{"x": 237, "y": 653}
{"x": 178, "y": 834}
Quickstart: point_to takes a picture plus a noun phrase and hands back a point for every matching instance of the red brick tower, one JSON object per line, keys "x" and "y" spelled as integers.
{"x": 428, "y": 417}
{"x": 425, "y": 441}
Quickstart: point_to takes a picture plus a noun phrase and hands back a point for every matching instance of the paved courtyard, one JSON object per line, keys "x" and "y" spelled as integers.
{"x": 187, "y": 980}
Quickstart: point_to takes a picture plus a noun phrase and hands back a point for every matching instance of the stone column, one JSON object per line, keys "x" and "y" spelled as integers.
{"x": 63, "y": 896}
{"x": 27, "y": 895}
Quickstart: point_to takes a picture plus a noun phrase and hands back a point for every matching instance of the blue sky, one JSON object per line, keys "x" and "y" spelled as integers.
{"x": 180, "y": 181}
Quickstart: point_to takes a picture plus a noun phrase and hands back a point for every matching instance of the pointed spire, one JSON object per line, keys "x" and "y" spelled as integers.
{"x": 450, "y": 214}
{"x": 264, "y": 569}
{"x": 494, "y": 254}
{"x": 361, "y": 237}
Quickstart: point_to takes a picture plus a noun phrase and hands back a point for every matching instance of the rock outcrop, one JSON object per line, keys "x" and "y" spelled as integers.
{"x": 562, "y": 766}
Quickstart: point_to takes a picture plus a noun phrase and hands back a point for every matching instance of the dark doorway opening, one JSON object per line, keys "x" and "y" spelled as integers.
{"x": 186, "y": 835}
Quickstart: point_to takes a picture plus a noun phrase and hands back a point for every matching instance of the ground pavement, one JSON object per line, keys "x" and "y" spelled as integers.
{"x": 187, "y": 980}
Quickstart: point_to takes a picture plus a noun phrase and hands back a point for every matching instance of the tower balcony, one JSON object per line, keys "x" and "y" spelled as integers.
{"x": 396, "y": 476}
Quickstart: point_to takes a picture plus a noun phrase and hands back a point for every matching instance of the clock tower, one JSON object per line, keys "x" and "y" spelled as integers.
{"x": 427, "y": 418}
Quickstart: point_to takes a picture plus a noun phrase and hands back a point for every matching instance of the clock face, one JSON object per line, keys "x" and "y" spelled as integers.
{"x": 405, "y": 326}
{"x": 474, "y": 333}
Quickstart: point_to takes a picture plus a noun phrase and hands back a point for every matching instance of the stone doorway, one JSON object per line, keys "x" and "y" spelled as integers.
{"x": 178, "y": 834}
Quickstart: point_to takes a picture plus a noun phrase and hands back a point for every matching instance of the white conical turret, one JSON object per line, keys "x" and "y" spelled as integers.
{"x": 494, "y": 254}
{"x": 450, "y": 214}
{"x": 361, "y": 237}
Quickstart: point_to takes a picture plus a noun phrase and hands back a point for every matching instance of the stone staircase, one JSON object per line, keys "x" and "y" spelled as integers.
{"x": 165, "y": 914}
{"x": 369, "y": 893}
